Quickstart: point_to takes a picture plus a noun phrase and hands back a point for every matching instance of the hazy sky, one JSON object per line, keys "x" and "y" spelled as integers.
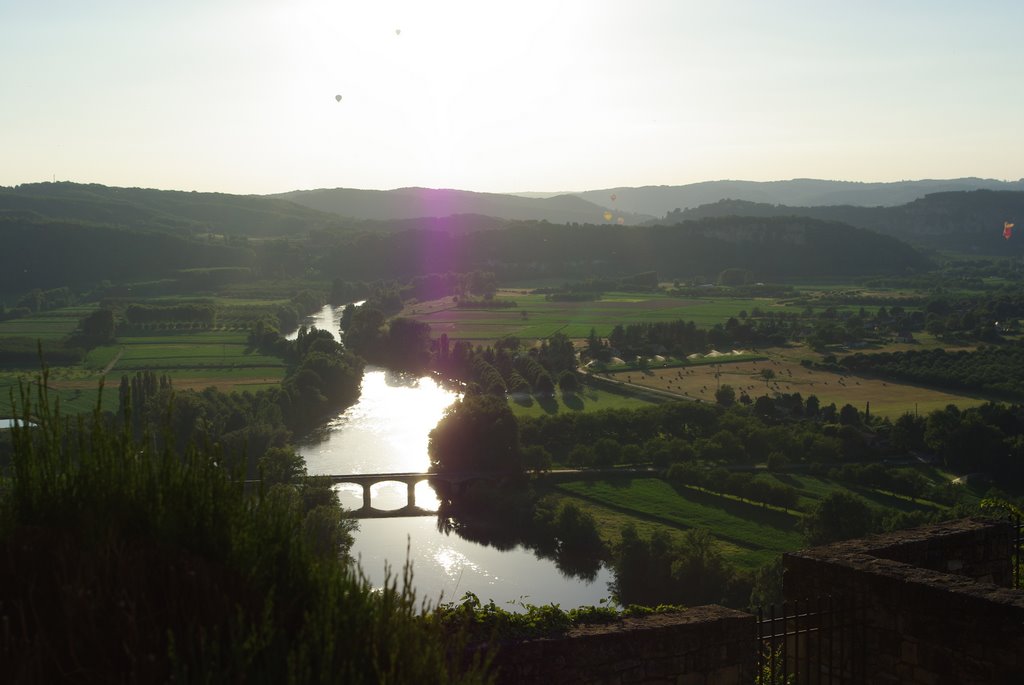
{"x": 239, "y": 95}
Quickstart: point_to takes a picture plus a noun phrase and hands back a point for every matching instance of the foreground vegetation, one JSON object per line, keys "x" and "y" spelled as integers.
{"x": 124, "y": 561}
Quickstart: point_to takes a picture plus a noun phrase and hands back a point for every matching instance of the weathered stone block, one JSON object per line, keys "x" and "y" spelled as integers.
{"x": 725, "y": 676}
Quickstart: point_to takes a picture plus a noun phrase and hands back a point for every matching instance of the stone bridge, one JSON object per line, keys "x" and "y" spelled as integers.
{"x": 411, "y": 480}
{"x": 458, "y": 479}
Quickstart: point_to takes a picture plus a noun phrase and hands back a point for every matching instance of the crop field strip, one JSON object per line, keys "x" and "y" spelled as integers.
{"x": 755, "y": 535}
{"x": 216, "y": 350}
{"x": 587, "y": 399}
{"x": 886, "y": 398}
{"x": 575, "y": 319}
{"x": 45, "y": 326}
{"x": 750, "y": 533}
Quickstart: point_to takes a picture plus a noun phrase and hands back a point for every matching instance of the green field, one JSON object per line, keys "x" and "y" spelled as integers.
{"x": 51, "y": 325}
{"x": 534, "y": 318}
{"x": 193, "y": 359}
{"x": 750, "y": 534}
{"x": 198, "y": 350}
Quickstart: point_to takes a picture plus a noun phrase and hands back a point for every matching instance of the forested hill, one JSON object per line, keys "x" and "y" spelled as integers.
{"x": 770, "y": 248}
{"x": 40, "y": 253}
{"x": 413, "y": 203}
{"x": 95, "y": 238}
{"x": 163, "y": 210}
{"x": 962, "y": 221}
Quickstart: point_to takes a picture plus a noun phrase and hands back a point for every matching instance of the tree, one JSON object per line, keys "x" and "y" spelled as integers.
{"x": 568, "y": 383}
{"x": 346, "y": 317}
{"x": 764, "y": 406}
{"x": 536, "y": 458}
{"x": 607, "y": 452}
{"x": 838, "y": 516}
{"x": 281, "y": 465}
{"x": 767, "y": 588}
{"x": 812, "y": 407}
{"x": 725, "y": 395}
{"x": 408, "y": 344}
{"x": 544, "y": 386}
{"x": 767, "y": 375}
{"x": 700, "y": 569}
{"x": 98, "y": 327}
{"x": 848, "y": 415}
{"x": 477, "y": 433}
{"x": 364, "y": 332}
{"x": 908, "y": 433}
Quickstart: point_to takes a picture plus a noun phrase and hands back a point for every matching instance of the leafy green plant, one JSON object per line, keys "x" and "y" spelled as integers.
{"x": 489, "y": 622}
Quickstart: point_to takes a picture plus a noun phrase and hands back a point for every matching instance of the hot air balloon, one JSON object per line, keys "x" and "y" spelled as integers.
{"x": 1007, "y": 229}
{"x": 607, "y": 216}
{"x": 614, "y": 197}
{"x": 620, "y": 221}
{"x": 398, "y": 32}
{"x": 337, "y": 98}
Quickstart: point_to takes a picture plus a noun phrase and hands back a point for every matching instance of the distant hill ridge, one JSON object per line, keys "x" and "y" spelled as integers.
{"x": 802, "y": 192}
{"x": 171, "y": 211}
{"x": 300, "y": 210}
{"x": 962, "y": 221}
{"x": 413, "y": 203}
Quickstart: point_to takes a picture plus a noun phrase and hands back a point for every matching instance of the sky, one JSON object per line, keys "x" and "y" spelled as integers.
{"x": 239, "y": 96}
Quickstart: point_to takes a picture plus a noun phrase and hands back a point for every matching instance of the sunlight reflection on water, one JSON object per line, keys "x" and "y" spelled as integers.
{"x": 386, "y": 431}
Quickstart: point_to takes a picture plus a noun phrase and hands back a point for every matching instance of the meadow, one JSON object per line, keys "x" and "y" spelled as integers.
{"x": 52, "y": 325}
{"x": 192, "y": 358}
{"x": 535, "y": 318}
{"x": 749, "y": 534}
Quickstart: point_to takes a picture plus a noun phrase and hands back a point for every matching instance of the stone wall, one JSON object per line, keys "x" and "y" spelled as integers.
{"x": 924, "y": 607}
{"x": 708, "y": 645}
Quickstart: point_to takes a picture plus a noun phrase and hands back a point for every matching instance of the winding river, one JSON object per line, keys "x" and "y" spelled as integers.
{"x": 386, "y": 431}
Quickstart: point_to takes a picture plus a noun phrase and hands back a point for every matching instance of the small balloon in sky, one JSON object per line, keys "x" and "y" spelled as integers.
{"x": 398, "y": 32}
{"x": 337, "y": 98}
{"x": 1007, "y": 229}
{"x": 620, "y": 221}
{"x": 614, "y": 197}
{"x": 607, "y": 216}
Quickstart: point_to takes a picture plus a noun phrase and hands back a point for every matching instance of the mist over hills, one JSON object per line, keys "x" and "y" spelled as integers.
{"x": 634, "y": 205}
{"x": 803, "y": 192}
{"x": 413, "y": 203}
{"x": 962, "y": 221}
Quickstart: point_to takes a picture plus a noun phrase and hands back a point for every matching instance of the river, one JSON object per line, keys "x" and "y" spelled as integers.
{"x": 386, "y": 431}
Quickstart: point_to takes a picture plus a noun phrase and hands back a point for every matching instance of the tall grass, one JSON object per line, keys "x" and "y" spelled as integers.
{"x": 124, "y": 562}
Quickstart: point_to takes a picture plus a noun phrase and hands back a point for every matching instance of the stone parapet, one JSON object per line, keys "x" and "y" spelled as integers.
{"x": 708, "y": 645}
{"x": 932, "y": 604}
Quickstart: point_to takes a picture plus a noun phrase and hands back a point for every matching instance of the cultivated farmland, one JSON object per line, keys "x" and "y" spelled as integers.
{"x": 534, "y": 318}
{"x": 887, "y": 399}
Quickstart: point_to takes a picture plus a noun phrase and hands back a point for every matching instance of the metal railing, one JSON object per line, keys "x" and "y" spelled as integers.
{"x": 818, "y": 640}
